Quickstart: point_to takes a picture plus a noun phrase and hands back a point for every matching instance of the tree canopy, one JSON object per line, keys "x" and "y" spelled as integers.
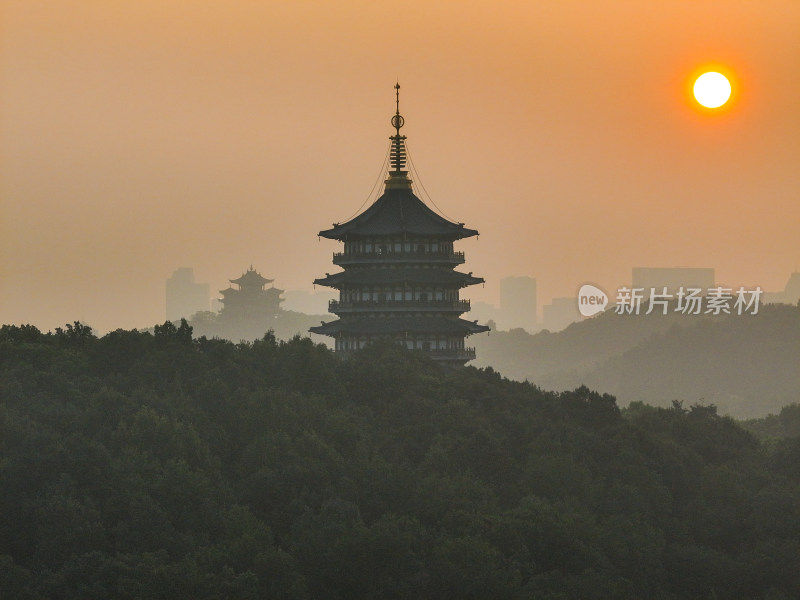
{"x": 157, "y": 465}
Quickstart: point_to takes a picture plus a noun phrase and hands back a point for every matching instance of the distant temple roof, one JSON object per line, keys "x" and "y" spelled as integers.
{"x": 377, "y": 325}
{"x": 251, "y": 278}
{"x": 231, "y": 292}
{"x": 398, "y": 211}
{"x": 379, "y": 276}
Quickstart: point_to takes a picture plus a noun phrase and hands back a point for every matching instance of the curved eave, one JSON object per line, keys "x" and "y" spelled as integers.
{"x": 251, "y": 278}
{"x": 336, "y": 233}
{"x": 399, "y": 276}
{"x": 398, "y": 212}
{"x": 400, "y": 325}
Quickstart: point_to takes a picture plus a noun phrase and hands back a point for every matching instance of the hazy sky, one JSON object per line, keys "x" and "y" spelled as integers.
{"x": 139, "y": 136}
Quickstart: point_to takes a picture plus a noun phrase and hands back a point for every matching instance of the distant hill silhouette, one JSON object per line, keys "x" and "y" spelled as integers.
{"x": 285, "y": 325}
{"x": 747, "y": 365}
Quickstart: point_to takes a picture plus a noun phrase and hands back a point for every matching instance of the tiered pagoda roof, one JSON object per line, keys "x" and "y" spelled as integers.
{"x": 424, "y": 275}
{"x": 398, "y": 212}
{"x": 416, "y": 324}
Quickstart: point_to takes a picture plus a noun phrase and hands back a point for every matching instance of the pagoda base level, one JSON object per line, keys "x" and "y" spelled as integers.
{"x": 453, "y": 357}
{"x": 449, "y": 357}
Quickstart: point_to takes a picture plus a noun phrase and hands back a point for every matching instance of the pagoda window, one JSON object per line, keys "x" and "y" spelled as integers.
{"x": 420, "y": 248}
{"x": 423, "y": 297}
{"x": 439, "y": 295}
{"x": 368, "y": 247}
{"x": 383, "y": 249}
{"x": 435, "y": 247}
{"x": 381, "y": 297}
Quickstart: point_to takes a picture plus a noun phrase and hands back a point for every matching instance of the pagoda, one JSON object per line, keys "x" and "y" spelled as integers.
{"x": 399, "y": 279}
{"x": 252, "y": 302}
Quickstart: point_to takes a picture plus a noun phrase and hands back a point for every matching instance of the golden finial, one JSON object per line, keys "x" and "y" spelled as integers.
{"x": 398, "y": 177}
{"x": 397, "y": 119}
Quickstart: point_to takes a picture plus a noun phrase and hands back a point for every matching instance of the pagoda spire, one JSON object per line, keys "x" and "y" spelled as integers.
{"x": 398, "y": 177}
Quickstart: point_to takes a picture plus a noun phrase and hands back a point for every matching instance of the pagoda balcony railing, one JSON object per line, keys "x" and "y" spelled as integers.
{"x": 446, "y": 256}
{"x": 337, "y": 306}
{"x": 436, "y": 354}
{"x": 452, "y": 353}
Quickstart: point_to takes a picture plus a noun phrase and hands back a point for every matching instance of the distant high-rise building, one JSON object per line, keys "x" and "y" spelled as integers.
{"x": 518, "y": 303}
{"x": 792, "y": 290}
{"x": 790, "y": 293}
{"x": 184, "y": 296}
{"x": 672, "y": 278}
{"x": 560, "y": 313}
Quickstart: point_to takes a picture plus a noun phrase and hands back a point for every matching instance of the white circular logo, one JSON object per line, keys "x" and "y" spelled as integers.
{"x": 591, "y": 300}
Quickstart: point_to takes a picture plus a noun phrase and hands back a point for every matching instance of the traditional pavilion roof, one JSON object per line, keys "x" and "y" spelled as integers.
{"x": 391, "y": 276}
{"x": 398, "y": 212}
{"x": 230, "y": 292}
{"x": 390, "y": 325}
{"x": 251, "y": 278}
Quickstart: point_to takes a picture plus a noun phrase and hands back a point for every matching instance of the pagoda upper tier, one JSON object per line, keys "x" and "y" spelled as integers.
{"x": 398, "y": 212}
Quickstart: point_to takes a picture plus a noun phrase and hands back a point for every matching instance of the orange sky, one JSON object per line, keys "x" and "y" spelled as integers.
{"x": 140, "y": 136}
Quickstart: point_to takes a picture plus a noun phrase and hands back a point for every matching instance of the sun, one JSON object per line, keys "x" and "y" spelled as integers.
{"x": 712, "y": 89}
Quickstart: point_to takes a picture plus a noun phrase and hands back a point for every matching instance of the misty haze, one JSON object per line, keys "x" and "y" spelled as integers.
{"x": 430, "y": 300}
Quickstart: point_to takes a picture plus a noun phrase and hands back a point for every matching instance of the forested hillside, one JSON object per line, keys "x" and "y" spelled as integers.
{"x": 145, "y": 465}
{"x": 748, "y": 365}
